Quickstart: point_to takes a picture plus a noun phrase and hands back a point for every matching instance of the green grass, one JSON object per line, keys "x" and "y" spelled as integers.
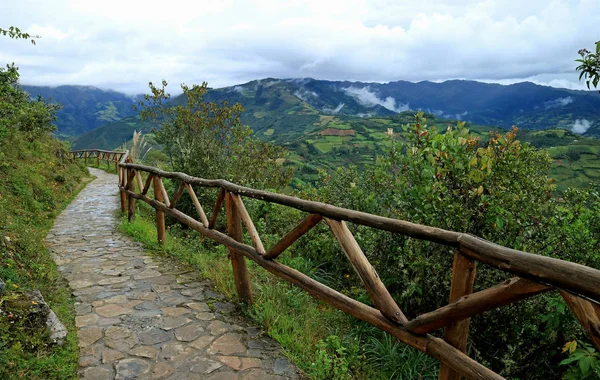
{"x": 323, "y": 147}
{"x": 34, "y": 187}
{"x": 269, "y": 132}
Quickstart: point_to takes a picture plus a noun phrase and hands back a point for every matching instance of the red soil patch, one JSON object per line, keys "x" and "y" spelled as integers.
{"x": 338, "y": 132}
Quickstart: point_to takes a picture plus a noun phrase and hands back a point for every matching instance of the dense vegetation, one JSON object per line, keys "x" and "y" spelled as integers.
{"x": 445, "y": 176}
{"x": 35, "y": 184}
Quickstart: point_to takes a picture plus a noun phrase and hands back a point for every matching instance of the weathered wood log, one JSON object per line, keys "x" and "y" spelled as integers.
{"x": 178, "y": 194}
{"x": 575, "y": 278}
{"x": 426, "y": 343}
{"x": 305, "y": 225}
{"x": 217, "y": 209}
{"x": 369, "y": 277}
{"x": 586, "y": 314}
{"x": 238, "y": 261}
{"x": 138, "y": 178}
{"x": 147, "y": 184}
{"x": 122, "y": 192}
{"x": 197, "y": 204}
{"x": 458, "y": 361}
{"x": 163, "y": 191}
{"x": 510, "y": 291}
{"x": 241, "y": 208}
{"x": 160, "y": 215}
{"x": 130, "y": 200}
{"x": 456, "y": 334}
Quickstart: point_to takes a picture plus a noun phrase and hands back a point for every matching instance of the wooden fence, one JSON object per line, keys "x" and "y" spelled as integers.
{"x": 533, "y": 274}
{"x": 106, "y": 155}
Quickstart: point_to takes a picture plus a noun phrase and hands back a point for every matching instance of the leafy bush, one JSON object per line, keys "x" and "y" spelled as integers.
{"x": 19, "y": 112}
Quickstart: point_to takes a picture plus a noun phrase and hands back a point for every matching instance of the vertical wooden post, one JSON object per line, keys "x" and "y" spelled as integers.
{"x": 160, "y": 215}
{"x": 116, "y": 166}
{"x": 123, "y": 184}
{"x": 98, "y": 159}
{"x": 130, "y": 199}
{"x": 85, "y": 155}
{"x": 238, "y": 261}
{"x": 456, "y": 334}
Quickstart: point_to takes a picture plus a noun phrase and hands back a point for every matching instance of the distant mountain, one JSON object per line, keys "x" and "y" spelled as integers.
{"x": 84, "y": 107}
{"x": 285, "y": 109}
{"x": 276, "y": 104}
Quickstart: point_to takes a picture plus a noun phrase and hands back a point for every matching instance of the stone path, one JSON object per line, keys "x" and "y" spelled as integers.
{"x": 142, "y": 316}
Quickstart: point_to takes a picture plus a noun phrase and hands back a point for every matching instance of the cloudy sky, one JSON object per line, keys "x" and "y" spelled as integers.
{"x": 123, "y": 44}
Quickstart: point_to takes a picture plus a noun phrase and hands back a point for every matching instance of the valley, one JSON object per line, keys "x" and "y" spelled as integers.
{"x": 324, "y": 127}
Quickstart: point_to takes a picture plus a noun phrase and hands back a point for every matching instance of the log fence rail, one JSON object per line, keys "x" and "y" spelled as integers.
{"x": 533, "y": 274}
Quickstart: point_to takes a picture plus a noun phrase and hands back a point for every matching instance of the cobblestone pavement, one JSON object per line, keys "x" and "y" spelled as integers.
{"x": 142, "y": 316}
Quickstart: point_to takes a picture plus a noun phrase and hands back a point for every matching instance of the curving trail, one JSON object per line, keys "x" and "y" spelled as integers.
{"x": 148, "y": 317}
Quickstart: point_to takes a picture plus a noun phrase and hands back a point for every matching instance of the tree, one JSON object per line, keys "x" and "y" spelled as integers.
{"x": 589, "y": 67}
{"x": 208, "y": 140}
{"x": 18, "y": 112}
{"x": 16, "y": 33}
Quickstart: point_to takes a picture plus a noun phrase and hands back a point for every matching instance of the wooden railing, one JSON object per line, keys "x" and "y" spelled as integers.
{"x": 534, "y": 274}
{"x": 98, "y": 154}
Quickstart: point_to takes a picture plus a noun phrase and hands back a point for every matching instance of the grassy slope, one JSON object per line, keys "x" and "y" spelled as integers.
{"x": 34, "y": 188}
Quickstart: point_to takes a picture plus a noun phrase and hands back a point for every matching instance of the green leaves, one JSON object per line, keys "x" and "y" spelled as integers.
{"x": 16, "y": 33}
{"x": 583, "y": 359}
{"x": 589, "y": 67}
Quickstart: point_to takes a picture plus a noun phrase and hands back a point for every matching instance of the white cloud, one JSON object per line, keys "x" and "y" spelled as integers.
{"x": 368, "y": 98}
{"x": 559, "y": 102}
{"x": 581, "y": 126}
{"x": 125, "y": 44}
{"x": 305, "y": 95}
{"x": 334, "y": 110}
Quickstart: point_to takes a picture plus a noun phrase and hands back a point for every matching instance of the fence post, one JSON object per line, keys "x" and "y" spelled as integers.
{"x": 238, "y": 261}
{"x": 160, "y": 215}
{"x": 130, "y": 199}
{"x": 456, "y": 334}
{"x": 85, "y": 155}
{"x": 98, "y": 159}
{"x": 123, "y": 178}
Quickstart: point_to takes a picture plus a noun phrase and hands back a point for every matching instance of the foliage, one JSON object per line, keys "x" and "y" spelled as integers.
{"x": 332, "y": 359}
{"x": 138, "y": 148}
{"x": 16, "y": 33}
{"x": 207, "y": 139}
{"x": 583, "y": 359}
{"x": 19, "y": 112}
{"x": 35, "y": 184}
{"x": 589, "y": 67}
{"x": 395, "y": 360}
{"x": 500, "y": 190}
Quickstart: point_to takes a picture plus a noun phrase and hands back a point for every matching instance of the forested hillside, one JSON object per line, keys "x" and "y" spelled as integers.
{"x": 286, "y": 109}
{"x": 84, "y": 107}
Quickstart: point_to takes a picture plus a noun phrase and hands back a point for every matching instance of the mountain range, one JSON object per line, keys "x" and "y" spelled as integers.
{"x": 84, "y": 107}
{"x": 288, "y": 106}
